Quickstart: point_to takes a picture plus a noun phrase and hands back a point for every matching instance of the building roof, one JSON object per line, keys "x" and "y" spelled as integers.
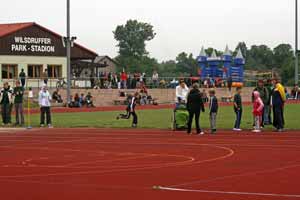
{"x": 227, "y": 51}
{"x": 99, "y": 59}
{"x": 6, "y": 29}
{"x": 203, "y": 53}
{"x": 239, "y": 54}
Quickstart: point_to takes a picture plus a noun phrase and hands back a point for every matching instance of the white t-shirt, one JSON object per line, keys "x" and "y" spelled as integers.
{"x": 181, "y": 93}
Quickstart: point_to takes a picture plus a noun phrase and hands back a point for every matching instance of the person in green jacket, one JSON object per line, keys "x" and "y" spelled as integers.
{"x": 18, "y": 94}
{"x": 6, "y": 102}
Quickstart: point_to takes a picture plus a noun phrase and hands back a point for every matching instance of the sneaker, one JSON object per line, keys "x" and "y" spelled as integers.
{"x": 256, "y": 131}
{"x": 42, "y": 125}
{"x": 213, "y": 131}
{"x": 134, "y": 125}
{"x": 237, "y": 129}
{"x": 50, "y": 126}
{"x": 201, "y": 133}
{"x": 280, "y": 130}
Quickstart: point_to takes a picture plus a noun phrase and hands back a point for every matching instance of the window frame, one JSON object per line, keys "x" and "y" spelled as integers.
{"x": 34, "y": 66}
{"x": 52, "y": 67}
{"x": 14, "y": 66}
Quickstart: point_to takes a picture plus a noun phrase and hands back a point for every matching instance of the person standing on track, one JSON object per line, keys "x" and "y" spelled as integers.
{"x": 6, "y": 100}
{"x": 238, "y": 109}
{"x": 18, "y": 93}
{"x": 258, "y": 111}
{"x": 264, "y": 95}
{"x": 213, "y": 110}
{"x": 195, "y": 105}
{"x": 278, "y": 100}
{"x": 44, "y": 102}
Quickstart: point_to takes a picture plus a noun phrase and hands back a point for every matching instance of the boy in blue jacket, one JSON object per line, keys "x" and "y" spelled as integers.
{"x": 213, "y": 110}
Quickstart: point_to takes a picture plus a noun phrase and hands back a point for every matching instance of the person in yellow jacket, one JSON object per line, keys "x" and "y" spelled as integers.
{"x": 278, "y": 99}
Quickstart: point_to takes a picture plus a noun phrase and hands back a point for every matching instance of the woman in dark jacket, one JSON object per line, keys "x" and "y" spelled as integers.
{"x": 195, "y": 106}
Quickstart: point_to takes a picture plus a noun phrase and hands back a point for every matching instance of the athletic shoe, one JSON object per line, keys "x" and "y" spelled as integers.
{"x": 237, "y": 129}
{"x": 50, "y": 126}
{"x": 213, "y": 131}
{"x": 42, "y": 125}
{"x": 280, "y": 130}
{"x": 201, "y": 133}
{"x": 256, "y": 131}
{"x": 134, "y": 125}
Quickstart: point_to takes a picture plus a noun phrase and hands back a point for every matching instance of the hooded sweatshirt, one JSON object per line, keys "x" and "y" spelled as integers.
{"x": 44, "y": 98}
{"x": 258, "y": 104}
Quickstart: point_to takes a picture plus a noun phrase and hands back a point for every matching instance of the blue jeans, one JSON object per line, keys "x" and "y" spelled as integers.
{"x": 238, "y": 114}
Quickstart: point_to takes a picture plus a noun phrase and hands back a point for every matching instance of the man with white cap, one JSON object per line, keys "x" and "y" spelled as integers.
{"x": 45, "y": 104}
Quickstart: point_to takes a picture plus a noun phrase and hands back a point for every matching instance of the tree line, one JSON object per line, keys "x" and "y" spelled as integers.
{"x": 133, "y": 56}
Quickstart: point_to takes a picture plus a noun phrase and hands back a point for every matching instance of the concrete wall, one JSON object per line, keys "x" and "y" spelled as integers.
{"x": 105, "y": 97}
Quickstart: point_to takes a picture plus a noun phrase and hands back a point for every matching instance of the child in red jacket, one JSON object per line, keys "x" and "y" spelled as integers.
{"x": 258, "y": 106}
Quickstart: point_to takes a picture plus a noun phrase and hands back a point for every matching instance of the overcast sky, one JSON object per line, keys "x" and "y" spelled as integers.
{"x": 181, "y": 25}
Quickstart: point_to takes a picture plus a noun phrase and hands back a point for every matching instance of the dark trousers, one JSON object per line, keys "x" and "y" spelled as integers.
{"x": 278, "y": 117}
{"x": 191, "y": 117}
{"x": 127, "y": 116}
{"x": 45, "y": 111}
{"x": 238, "y": 114}
{"x": 135, "y": 118}
{"x": 23, "y": 82}
{"x": 46, "y": 81}
{"x": 6, "y": 113}
{"x": 19, "y": 113}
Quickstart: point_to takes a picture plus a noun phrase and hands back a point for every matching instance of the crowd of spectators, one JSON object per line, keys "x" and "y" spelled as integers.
{"x": 126, "y": 80}
{"x": 79, "y": 101}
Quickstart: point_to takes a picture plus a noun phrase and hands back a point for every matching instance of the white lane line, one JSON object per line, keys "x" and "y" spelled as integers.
{"x": 224, "y": 192}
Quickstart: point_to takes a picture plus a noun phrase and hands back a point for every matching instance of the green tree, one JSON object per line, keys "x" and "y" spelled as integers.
{"x": 243, "y": 47}
{"x": 284, "y": 62}
{"x": 186, "y": 64}
{"x": 132, "y": 38}
{"x": 261, "y": 56}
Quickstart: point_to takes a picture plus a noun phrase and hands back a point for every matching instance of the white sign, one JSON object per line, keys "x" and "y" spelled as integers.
{"x": 31, "y": 44}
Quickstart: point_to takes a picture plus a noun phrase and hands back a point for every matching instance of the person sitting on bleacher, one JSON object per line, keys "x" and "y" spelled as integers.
{"x": 89, "y": 100}
{"x": 295, "y": 92}
{"x": 81, "y": 100}
{"x": 56, "y": 97}
{"x": 144, "y": 95}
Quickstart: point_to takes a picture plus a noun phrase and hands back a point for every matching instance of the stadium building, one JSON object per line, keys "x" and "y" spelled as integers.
{"x": 34, "y": 48}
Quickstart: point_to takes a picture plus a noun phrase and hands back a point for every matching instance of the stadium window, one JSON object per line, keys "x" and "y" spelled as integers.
{"x": 34, "y": 71}
{"x": 54, "y": 71}
{"x": 9, "y": 71}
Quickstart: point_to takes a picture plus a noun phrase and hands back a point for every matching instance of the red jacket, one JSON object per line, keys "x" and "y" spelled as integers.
{"x": 258, "y": 105}
{"x": 124, "y": 76}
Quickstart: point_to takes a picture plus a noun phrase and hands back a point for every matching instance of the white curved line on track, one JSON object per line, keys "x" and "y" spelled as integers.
{"x": 229, "y": 153}
{"x": 230, "y": 193}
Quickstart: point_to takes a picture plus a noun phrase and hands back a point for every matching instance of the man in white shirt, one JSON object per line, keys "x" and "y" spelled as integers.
{"x": 181, "y": 93}
{"x": 45, "y": 104}
{"x": 155, "y": 79}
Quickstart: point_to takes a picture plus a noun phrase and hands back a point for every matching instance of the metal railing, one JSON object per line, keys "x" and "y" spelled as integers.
{"x": 105, "y": 83}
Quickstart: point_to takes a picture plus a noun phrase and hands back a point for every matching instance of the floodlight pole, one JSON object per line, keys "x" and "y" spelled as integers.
{"x": 68, "y": 48}
{"x": 296, "y": 44}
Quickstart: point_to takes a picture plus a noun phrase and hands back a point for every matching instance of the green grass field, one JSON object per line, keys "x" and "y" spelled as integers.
{"x": 161, "y": 119}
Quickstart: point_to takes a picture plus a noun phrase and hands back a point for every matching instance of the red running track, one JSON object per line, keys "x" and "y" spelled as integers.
{"x": 88, "y": 164}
